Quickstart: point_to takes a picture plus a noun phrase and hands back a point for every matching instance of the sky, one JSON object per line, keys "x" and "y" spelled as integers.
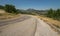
{"x": 33, "y": 4}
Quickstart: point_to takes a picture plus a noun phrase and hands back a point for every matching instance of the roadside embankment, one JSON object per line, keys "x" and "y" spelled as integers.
{"x": 53, "y": 23}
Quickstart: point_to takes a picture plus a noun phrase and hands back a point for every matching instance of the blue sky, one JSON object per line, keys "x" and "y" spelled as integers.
{"x": 34, "y": 4}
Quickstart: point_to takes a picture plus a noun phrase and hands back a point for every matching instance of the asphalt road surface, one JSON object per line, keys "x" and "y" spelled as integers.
{"x": 26, "y": 26}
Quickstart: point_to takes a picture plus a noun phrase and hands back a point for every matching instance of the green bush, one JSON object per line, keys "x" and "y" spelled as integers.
{"x": 1, "y": 7}
{"x": 55, "y": 14}
{"x": 10, "y": 8}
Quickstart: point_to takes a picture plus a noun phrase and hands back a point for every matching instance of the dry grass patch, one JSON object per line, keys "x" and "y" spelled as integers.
{"x": 50, "y": 20}
{"x": 4, "y": 16}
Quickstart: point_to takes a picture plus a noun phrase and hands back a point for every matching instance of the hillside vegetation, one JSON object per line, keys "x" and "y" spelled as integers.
{"x": 8, "y": 11}
{"x": 53, "y": 16}
{"x": 50, "y": 21}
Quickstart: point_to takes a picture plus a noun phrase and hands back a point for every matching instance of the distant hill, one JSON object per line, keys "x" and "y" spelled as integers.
{"x": 37, "y": 11}
{"x": 31, "y": 11}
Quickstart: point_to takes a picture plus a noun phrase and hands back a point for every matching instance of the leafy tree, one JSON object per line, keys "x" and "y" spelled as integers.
{"x": 58, "y": 12}
{"x": 50, "y": 13}
{"x": 55, "y": 14}
{"x": 10, "y": 8}
{"x": 18, "y": 11}
{"x": 1, "y": 7}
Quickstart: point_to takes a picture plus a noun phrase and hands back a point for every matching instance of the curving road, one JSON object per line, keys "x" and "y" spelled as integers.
{"x": 21, "y": 18}
{"x": 26, "y": 26}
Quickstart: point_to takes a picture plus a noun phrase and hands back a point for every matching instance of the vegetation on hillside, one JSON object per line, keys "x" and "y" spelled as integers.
{"x": 55, "y": 14}
{"x": 1, "y": 7}
{"x": 51, "y": 16}
{"x": 9, "y": 8}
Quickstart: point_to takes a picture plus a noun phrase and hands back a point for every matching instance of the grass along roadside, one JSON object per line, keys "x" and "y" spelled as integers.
{"x": 54, "y": 24}
{"x": 51, "y": 21}
{"x": 7, "y": 16}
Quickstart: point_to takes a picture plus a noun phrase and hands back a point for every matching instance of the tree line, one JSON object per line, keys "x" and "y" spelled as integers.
{"x": 9, "y": 8}
{"x": 55, "y": 14}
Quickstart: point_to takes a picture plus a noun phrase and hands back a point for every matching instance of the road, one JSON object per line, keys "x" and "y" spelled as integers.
{"x": 43, "y": 29}
{"x": 21, "y": 18}
{"x": 26, "y": 26}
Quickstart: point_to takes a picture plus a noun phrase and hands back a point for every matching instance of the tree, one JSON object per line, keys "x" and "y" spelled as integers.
{"x": 55, "y": 14}
{"x": 1, "y": 7}
{"x": 50, "y": 13}
{"x": 58, "y": 12}
{"x": 18, "y": 11}
{"x": 10, "y": 8}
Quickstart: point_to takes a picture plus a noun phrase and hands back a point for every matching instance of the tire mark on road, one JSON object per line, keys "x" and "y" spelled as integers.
{"x": 35, "y": 27}
{"x": 14, "y": 21}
